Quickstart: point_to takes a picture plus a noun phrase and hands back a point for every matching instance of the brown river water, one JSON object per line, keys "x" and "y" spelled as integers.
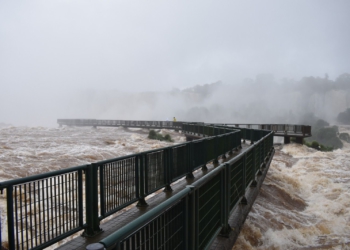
{"x": 304, "y": 202}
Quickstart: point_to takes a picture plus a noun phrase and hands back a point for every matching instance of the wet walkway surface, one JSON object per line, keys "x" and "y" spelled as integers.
{"x": 133, "y": 212}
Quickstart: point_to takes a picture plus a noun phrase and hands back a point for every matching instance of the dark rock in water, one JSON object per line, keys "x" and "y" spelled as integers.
{"x": 344, "y": 137}
{"x": 344, "y": 117}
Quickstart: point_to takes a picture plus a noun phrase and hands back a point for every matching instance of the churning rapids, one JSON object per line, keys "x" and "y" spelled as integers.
{"x": 304, "y": 202}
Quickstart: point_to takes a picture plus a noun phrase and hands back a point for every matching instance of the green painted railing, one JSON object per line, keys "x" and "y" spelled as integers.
{"x": 46, "y": 208}
{"x": 279, "y": 129}
{"x": 193, "y": 218}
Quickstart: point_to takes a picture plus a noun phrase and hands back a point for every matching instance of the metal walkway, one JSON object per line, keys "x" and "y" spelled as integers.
{"x": 123, "y": 218}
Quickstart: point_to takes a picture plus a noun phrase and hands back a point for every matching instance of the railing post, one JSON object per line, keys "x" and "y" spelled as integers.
{"x": 192, "y": 217}
{"x": 263, "y": 162}
{"x": 262, "y": 150}
{"x": 10, "y": 221}
{"x": 93, "y": 223}
{"x": 216, "y": 151}
{"x": 80, "y": 197}
{"x": 255, "y": 149}
{"x": 168, "y": 168}
{"x": 225, "y": 185}
{"x": 244, "y": 134}
{"x": 222, "y": 139}
{"x": 187, "y": 223}
{"x": 140, "y": 172}
{"x": 244, "y": 200}
{"x": 190, "y": 160}
{"x": 205, "y": 150}
{"x": 102, "y": 192}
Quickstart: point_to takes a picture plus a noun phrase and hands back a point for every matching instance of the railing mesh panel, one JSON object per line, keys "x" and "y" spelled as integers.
{"x": 155, "y": 177}
{"x": 45, "y": 209}
{"x": 249, "y": 167}
{"x": 236, "y": 182}
{"x": 164, "y": 232}
{"x": 198, "y": 153}
{"x": 210, "y": 149}
{"x": 262, "y": 150}
{"x": 209, "y": 210}
{"x": 222, "y": 144}
{"x": 258, "y": 155}
{"x": 179, "y": 161}
{"x": 119, "y": 183}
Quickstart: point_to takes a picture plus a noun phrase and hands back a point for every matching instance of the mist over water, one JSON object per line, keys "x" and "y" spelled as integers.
{"x": 262, "y": 99}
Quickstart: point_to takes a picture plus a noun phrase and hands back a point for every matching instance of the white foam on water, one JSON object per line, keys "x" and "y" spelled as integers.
{"x": 297, "y": 175}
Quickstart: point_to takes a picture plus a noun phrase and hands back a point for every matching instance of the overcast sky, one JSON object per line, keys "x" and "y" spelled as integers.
{"x": 56, "y": 46}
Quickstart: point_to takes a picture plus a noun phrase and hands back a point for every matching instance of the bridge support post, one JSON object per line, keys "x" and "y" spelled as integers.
{"x": 286, "y": 140}
{"x": 299, "y": 140}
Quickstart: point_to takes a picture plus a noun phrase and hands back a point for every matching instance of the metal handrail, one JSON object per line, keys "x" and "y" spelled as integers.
{"x": 189, "y": 214}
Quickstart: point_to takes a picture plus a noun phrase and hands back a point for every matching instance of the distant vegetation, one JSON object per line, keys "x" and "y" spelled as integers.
{"x": 156, "y": 136}
{"x": 324, "y": 137}
{"x": 316, "y": 145}
{"x": 344, "y": 117}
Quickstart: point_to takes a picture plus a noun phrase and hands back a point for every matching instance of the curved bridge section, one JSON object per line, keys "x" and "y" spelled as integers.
{"x": 224, "y": 176}
{"x": 288, "y": 131}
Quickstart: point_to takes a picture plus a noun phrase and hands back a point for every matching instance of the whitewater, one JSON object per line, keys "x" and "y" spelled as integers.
{"x": 304, "y": 202}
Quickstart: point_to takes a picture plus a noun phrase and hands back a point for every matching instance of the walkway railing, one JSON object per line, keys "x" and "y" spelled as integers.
{"x": 114, "y": 123}
{"x": 46, "y": 208}
{"x": 279, "y": 129}
{"x": 193, "y": 218}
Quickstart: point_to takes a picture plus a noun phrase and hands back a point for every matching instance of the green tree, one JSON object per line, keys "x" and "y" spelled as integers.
{"x": 344, "y": 117}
